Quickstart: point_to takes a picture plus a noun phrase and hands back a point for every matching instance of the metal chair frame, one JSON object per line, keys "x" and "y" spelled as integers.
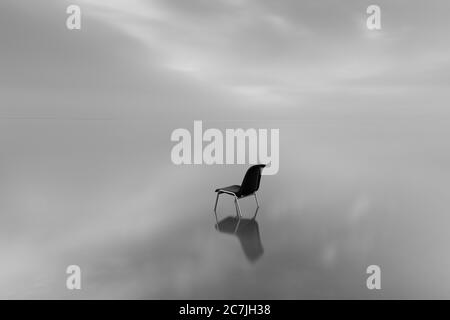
{"x": 236, "y": 200}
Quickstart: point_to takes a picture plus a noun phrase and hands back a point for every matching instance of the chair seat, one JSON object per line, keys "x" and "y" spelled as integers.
{"x": 235, "y": 189}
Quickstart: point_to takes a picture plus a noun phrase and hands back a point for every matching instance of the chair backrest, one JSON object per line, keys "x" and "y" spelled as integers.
{"x": 251, "y": 181}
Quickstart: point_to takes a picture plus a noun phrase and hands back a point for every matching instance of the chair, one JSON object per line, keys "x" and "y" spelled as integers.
{"x": 249, "y": 187}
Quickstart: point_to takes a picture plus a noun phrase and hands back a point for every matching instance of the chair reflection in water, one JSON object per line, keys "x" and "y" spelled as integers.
{"x": 247, "y": 231}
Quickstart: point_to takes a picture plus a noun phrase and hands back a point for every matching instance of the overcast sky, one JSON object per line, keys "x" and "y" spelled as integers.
{"x": 217, "y": 54}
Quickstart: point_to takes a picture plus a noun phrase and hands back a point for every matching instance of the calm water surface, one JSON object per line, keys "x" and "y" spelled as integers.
{"x": 103, "y": 194}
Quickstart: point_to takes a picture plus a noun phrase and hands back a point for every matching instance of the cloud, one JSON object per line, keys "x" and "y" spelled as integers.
{"x": 258, "y": 52}
{"x": 281, "y": 50}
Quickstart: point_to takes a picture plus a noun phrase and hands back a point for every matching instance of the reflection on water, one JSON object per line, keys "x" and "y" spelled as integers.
{"x": 105, "y": 196}
{"x": 247, "y": 231}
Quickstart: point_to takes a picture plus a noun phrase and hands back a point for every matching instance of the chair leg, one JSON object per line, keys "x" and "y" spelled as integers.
{"x": 238, "y": 209}
{"x": 256, "y": 198}
{"x": 217, "y": 221}
{"x": 256, "y": 212}
{"x": 217, "y": 200}
{"x": 237, "y": 226}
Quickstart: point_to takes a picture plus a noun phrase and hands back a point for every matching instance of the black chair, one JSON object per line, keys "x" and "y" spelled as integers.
{"x": 249, "y": 186}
